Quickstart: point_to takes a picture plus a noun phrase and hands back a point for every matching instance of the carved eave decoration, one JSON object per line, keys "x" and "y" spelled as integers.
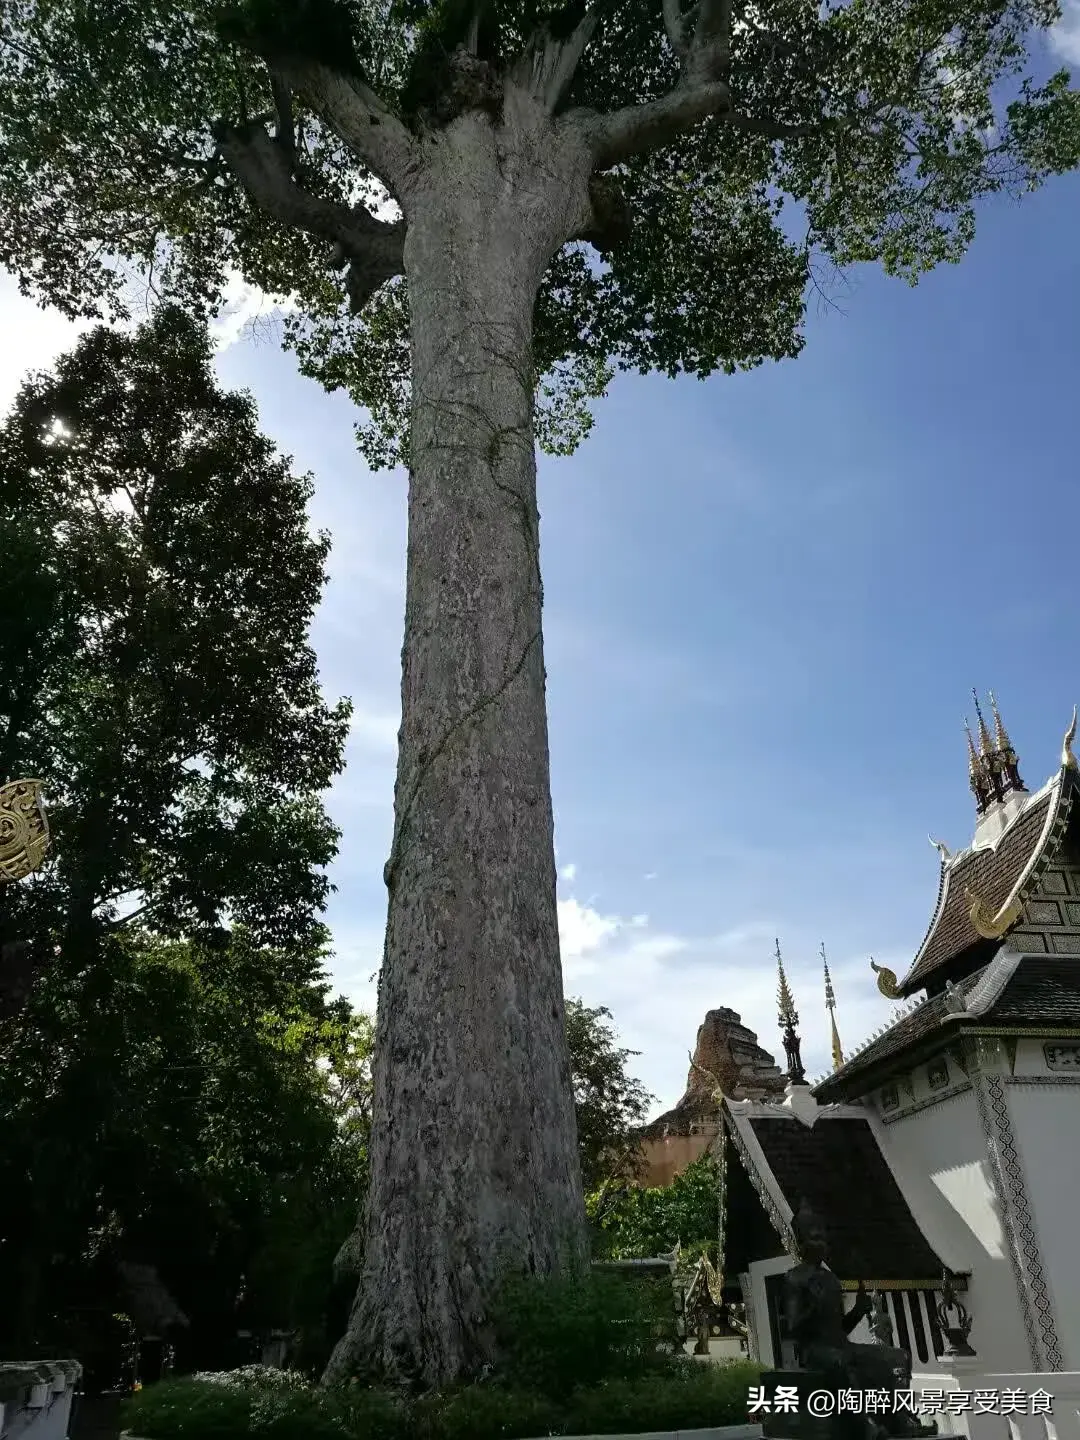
{"x": 24, "y": 830}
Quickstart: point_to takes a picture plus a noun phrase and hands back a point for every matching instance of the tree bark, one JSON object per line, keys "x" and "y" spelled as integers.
{"x": 474, "y": 1164}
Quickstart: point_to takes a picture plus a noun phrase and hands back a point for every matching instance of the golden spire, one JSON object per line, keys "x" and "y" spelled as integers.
{"x": 1001, "y": 735}
{"x": 830, "y": 1005}
{"x": 986, "y": 745}
{"x": 975, "y": 765}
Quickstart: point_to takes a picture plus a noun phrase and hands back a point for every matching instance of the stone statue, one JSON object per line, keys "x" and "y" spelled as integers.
{"x": 819, "y": 1326}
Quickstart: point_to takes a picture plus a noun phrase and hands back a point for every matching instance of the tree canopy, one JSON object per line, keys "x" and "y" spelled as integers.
{"x": 735, "y": 142}
{"x": 177, "y": 1086}
{"x": 157, "y": 674}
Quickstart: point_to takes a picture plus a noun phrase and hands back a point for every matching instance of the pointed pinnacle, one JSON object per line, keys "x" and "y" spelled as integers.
{"x": 986, "y": 745}
{"x": 830, "y": 997}
{"x": 974, "y": 762}
{"x": 784, "y": 998}
{"x": 1001, "y": 735}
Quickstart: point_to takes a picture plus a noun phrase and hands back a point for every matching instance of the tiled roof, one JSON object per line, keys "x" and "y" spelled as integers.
{"x": 836, "y": 1166}
{"x": 1045, "y": 991}
{"x": 1042, "y": 992}
{"x": 992, "y": 875}
{"x": 905, "y": 1034}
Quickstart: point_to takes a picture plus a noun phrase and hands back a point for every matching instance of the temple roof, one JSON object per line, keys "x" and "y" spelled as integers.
{"x": 995, "y": 872}
{"x": 1033, "y": 991}
{"x": 836, "y": 1166}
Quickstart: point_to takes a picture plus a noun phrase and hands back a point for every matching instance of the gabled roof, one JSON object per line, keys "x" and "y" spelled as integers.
{"x": 836, "y": 1166}
{"x": 1014, "y": 990}
{"x": 997, "y": 873}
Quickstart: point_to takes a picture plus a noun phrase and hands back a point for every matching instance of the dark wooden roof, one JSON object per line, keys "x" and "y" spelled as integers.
{"x": 1043, "y": 992}
{"x": 993, "y": 876}
{"x": 836, "y": 1166}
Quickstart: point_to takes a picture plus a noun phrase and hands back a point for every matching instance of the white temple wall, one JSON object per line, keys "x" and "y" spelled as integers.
{"x": 938, "y": 1155}
{"x": 1046, "y": 1129}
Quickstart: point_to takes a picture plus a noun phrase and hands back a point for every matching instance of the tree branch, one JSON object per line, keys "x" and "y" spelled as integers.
{"x": 675, "y": 26}
{"x": 373, "y": 249}
{"x": 637, "y": 129}
{"x": 356, "y": 115}
{"x": 548, "y": 65}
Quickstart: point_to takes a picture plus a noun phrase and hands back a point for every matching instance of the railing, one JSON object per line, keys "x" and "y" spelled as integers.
{"x": 1016, "y": 1406}
{"x": 35, "y": 1398}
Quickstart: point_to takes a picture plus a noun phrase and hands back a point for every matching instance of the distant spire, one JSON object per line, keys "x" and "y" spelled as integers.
{"x": 1009, "y": 765}
{"x": 789, "y": 1020}
{"x": 830, "y": 1005}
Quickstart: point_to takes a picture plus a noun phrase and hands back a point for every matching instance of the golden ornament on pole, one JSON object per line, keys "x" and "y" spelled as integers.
{"x": 24, "y": 830}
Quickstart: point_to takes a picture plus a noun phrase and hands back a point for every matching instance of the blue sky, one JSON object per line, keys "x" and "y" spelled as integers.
{"x": 767, "y": 600}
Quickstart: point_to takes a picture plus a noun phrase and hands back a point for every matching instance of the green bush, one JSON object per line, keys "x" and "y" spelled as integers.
{"x": 554, "y": 1335}
{"x": 685, "y": 1396}
{"x": 694, "y": 1397}
{"x": 191, "y": 1407}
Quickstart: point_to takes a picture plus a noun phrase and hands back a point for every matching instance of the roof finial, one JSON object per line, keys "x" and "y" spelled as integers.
{"x": 789, "y": 1020}
{"x": 1001, "y": 735}
{"x": 1068, "y": 759}
{"x": 830, "y": 1005}
{"x": 986, "y": 745}
{"x": 978, "y": 773}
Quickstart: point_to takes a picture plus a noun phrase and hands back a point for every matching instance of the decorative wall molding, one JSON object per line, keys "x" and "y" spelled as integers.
{"x": 1064, "y": 1080}
{"x": 960, "y": 1088}
{"x": 1008, "y": 1175}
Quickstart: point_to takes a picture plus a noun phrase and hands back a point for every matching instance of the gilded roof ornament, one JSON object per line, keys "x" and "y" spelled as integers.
{"x": 830, "y": 1005}
{"x": 1068, "y": 759}
{"x": 24, "y": 830}
{"x": 986, "y": 745}
{"x": 990, "y": 926}
{"x": 1001, "y": 735}
{"x": 784, "y": 998}
{"x": 886, "y": 980}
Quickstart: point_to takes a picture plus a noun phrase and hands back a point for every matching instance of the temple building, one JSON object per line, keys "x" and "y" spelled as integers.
{"x": 943, "y": 1156}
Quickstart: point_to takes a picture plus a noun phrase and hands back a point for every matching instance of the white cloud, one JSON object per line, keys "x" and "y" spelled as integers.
{"x": 37, "y": 338}
{"x": 243, "y": 307}
{"x": 374, "y": 730}
{"x": 583, "y": 930}
{"x": 1065, "y": 35}
{"x": 659, "y": 985}
{"x": 568, "y": 873}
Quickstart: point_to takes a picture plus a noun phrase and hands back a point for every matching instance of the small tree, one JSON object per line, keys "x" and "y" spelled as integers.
{"x": 641, "y": 1222}
{"x": 610, "y": 1105}
{"x": 574, "y": 186}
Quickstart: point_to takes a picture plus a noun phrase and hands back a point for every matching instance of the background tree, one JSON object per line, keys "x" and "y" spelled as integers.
{"x": 161, "y": 1088}
{"x": 575, "y": 186}
{"x": 637, "y": 1222}
{"x": 610, "y": 1104}
{"x": 156, "y": 671}
{"x": 173, "y": 1105}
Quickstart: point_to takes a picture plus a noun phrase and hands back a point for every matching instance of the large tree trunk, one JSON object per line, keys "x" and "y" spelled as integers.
{"x": 474, "y": 1164}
